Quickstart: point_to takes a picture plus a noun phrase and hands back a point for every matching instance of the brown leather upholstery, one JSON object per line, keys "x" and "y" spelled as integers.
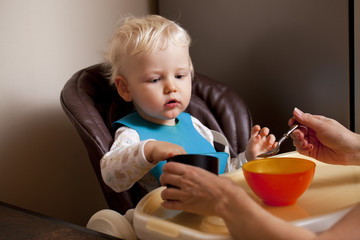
{"x": 92, "y": 105}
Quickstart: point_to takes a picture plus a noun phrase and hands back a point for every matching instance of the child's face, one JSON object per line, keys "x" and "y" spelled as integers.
{"x": 159, "y": 84}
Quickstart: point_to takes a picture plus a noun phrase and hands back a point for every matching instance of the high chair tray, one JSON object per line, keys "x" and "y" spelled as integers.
{"x": 334, "y": 191}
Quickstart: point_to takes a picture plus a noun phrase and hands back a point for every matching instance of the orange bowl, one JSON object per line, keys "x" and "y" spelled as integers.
{"x": 279, "y": 181}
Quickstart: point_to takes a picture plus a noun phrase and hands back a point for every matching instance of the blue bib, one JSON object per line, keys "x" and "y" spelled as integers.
{"x": 183, "y": 134}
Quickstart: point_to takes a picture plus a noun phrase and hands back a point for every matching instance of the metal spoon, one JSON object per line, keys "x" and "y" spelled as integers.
{"x": 281, "y": 140}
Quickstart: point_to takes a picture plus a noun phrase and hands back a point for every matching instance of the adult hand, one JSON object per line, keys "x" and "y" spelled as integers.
{"x": 199, "y": 191}
{"x": 325, "y": 139}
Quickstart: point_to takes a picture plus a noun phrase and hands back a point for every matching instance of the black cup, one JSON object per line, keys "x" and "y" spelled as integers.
{"x": 209, "y": 163}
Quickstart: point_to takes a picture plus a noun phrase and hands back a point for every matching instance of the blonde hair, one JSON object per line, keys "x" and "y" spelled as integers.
{"x": 138, "y": 37}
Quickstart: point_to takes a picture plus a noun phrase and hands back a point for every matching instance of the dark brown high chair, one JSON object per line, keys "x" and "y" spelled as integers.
{"x": 93, "y": 105}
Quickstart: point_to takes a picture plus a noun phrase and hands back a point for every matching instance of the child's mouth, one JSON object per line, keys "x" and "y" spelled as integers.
{"x": 171, "y": 103}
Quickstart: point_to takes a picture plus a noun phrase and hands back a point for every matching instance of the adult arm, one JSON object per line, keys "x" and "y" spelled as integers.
{"x": 204, "y": 193}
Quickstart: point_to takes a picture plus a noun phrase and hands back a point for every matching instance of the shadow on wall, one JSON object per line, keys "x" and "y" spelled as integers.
{"x": 45, "y": 168}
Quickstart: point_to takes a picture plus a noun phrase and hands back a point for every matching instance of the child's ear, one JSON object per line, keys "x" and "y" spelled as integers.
{"x": 122, "y": 88}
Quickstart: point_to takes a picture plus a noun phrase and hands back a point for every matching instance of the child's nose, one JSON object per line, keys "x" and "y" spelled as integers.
{"x": 170, "y": 87}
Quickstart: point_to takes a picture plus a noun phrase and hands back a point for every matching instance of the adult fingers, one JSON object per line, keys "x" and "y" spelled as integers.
{"x": 174, "y": 205}
{"x": 179, "y": 174}
{"x": 309, "y": 120}
{"x": 174, "y": 194}
{"x": 175, "y": 168}
{"x": 299, "y": 134}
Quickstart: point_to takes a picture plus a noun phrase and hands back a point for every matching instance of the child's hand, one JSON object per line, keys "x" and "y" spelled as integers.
{"x": 260, "y": 142}
{"x": 156, "y": 151}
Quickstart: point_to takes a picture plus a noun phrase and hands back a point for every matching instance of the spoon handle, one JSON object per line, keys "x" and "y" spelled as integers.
{"x": 293, "y": 127}
{"x": 287, "y": 134}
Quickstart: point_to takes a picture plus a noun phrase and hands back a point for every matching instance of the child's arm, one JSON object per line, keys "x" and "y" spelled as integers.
{"x": 129, "y": 159}
{"x": 125, "y": 163}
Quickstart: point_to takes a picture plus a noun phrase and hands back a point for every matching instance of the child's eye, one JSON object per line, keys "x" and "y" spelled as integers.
{"x": 155, "y": 80}
{"x": 179, "y": 76}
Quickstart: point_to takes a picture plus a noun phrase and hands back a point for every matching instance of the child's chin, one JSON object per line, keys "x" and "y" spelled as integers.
{"x": 171, "y": 114}
{"x": 173, "y": 117}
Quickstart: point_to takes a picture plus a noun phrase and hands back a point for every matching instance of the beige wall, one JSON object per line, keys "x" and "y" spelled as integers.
{"x": 43, "y": 164}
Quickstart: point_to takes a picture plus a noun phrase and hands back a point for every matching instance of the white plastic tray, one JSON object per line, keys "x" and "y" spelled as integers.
{"x": 332, "y": 193}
